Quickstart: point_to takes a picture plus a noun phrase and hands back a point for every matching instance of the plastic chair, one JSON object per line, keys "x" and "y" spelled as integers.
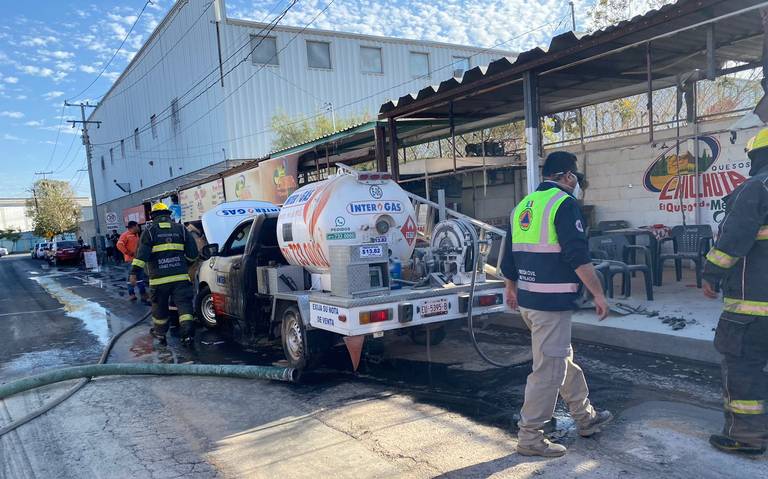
{"x": 691, "y": 242}
{"x": 617, "y": 250}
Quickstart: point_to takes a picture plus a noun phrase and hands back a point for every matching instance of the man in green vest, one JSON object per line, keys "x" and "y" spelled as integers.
{"x": 546, "y": 261}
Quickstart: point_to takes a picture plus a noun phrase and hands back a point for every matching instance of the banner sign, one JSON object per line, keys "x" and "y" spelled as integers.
{"x": 135, "y": 213}
{"x": 197, "y": 200}
{"x": 272, "y": 180}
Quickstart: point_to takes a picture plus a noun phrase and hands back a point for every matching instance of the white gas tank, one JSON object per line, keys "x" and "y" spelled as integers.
{"x": 347, "y": 209}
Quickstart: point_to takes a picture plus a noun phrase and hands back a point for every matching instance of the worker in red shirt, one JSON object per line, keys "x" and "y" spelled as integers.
{"x": 128, "y": 244}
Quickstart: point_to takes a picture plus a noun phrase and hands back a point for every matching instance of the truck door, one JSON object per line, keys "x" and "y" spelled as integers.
{"x": 228, "y": 265}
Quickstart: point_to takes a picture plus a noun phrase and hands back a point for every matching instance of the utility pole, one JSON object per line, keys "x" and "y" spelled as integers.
{"x": 88, "y": 156}
{"x": 43, "y": 173}
{"x": 573, "y": 17}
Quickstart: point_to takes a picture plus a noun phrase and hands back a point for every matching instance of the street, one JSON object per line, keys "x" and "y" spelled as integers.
{"x": 400, "y": 415}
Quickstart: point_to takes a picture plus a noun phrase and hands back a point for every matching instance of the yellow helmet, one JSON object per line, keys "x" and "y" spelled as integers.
{"x": 757, "y": 142}
{"x": 159, "y": 206}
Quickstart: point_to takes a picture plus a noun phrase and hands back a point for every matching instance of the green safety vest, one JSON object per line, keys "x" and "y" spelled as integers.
{"x": 545, "y": 281}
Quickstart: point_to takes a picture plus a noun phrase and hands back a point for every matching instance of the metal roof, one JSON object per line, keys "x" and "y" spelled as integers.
{"x": 605, "y": 65}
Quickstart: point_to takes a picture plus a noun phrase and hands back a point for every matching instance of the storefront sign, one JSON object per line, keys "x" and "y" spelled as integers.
{"x": 272, "y": 180}
{"x": 135, "y": 213}
{"x": 197, "y": 200}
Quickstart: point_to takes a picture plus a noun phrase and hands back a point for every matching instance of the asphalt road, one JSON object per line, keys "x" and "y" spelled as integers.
{"x": 408, "y": 412}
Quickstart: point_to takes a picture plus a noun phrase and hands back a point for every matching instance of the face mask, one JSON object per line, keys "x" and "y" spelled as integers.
{"x": 578, "y": 193}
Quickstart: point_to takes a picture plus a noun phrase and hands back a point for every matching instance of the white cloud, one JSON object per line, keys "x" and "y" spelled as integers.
{"x": 12, "y": 114}
{"x": 88, "y": 69}
{"x": 57, "y": 54}
{"x": 9, "y": 137}
{"x": 53, "y": 94}
{"x": 21, "y": 97}
{"x": 39, "y": 41}
{"x": 65, "y": 66}
{"x": 34, "y": 70}
{"x": 34, "y": 123}
{"x": 11, "y": 80}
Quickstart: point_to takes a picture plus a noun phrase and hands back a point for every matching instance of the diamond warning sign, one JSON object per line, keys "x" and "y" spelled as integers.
{"x": 409, "y": 230}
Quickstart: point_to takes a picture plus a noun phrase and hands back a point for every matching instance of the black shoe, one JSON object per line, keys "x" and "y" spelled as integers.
{"x": 726, "y": 444}
{"x": 188, "y": 341}
{"x": 159, "y": 336}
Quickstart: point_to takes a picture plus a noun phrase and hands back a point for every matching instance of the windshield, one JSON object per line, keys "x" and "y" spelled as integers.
{"x": 66, "y": 244}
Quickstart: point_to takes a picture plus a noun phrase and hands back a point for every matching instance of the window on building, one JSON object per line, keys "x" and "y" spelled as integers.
{"x": 153, "y": 125}
{"x": 122, "y": 149}
{"x": 419, "y": 64}
{"x": 103, "y": 166}
{"x": 264, "y": 50}
{"x": 460, "y": 65}
{"x": 175, "y": 119}
{"x": 319, "y": 55}
{"x": 111, "y": 156}
{"x": 370, "y": 60}
{"x": 136, "y": 143}
{"x": 170, "y": 171}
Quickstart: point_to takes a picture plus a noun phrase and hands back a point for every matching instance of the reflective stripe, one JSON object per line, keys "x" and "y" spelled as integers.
{"x": 138, "y": 262}
{"x": 159, "y": 321}
{"x": 548, "y": 287}
{"x": 164, "y": 225}
{"x": 742, "y": 306}
{"x": 721, "y": 259}
{"x": 544, "y": 238}
{"x": 186, "y": 317}
{"x": 536, "y": 248}
{"x": 745, "y": 406}
{"x": 168, "y": 247}
{"x": 168, "y": 279}
{"x": 191, "y": 260}
{"x": 762, "y": 233}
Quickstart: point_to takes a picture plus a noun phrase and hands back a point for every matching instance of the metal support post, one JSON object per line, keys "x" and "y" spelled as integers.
{"x": 711, "y": 57}
{"x": 532, "y": 133}
{"x": 453, "y": 134}
{"x": 89, "y": 158}
{"x": 393, "y": 162}
{"x": 380, "y": 136}
{"x": 649, "y": 74}
{"x": 442, "y": 214}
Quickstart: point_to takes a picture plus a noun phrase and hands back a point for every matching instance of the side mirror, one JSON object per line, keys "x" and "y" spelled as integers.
{"x": 209, "y": 251}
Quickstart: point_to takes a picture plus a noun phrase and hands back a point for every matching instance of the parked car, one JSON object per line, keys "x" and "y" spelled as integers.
{"x": 3, "y": 252}
{"x": 41, "y": 249}
{"x": 63, "y": 252}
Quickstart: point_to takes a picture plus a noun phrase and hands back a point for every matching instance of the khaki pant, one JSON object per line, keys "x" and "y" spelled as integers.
{"x": 554, "y": 372}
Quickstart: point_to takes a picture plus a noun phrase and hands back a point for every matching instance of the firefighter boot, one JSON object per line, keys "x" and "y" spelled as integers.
{"x": 544, "y": 448}
{"x": 160, "y": 336}
{"x": 726, "y": 444}
{"x": 158, "y": 330}
{"x": 187, "y": 329}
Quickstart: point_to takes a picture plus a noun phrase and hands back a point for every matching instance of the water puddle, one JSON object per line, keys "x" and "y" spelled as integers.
{"x": 92, "y": 315}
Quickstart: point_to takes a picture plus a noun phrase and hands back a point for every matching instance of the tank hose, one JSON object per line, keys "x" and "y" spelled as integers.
{"x": 470, "y": 321}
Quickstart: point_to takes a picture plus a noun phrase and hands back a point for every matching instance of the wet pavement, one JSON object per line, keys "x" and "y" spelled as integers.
{"x": 64, "y": 316}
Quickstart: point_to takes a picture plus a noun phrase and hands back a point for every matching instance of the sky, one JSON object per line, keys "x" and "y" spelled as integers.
{"x": 52, "y": 50}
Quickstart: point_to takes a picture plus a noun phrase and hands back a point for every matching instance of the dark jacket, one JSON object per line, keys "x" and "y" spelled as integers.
{"x": 165, "y": 250}
{"x": 739, "y": 260}
{"x": 569, "y": 224}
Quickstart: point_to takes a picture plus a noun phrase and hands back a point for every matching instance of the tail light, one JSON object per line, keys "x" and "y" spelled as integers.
{"x": 378, "y": 316}
{"x": 362, "y": 177}
{"x": 487, "y": 300}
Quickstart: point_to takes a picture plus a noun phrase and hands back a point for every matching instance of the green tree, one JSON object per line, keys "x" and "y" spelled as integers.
{"x": 53, "y": 208}
{"x": 291, "y": 132}
{"x": 11, "y": 235}
{"x": 610, "y": 12}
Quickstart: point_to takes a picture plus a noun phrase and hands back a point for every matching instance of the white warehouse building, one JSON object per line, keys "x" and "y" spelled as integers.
{"x": 201, "y": 93}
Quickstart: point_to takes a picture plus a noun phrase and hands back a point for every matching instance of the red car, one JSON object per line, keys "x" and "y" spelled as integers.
{"x": 63, "y": 252}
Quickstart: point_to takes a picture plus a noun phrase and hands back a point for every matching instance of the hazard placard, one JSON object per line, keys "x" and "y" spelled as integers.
{"x": 409, "y": 230}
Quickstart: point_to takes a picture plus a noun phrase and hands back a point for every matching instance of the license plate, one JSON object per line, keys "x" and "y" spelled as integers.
{"x": 435, "y": 307}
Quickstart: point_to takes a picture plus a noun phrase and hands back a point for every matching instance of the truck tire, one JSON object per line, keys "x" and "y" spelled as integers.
{"x": 303, "y": 349}
{"x": 436, "y": 335}
{"x": 205, "y": 310}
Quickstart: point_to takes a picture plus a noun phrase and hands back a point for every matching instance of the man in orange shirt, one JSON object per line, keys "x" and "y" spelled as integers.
{"x": 128, "y": 244}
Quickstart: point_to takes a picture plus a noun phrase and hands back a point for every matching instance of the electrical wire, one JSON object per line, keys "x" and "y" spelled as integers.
{"x": 106, "y": 65}
{"x": 58, "y": 134}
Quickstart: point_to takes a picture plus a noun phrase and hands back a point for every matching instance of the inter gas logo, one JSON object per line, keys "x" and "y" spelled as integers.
{"x": 364, "y": 207}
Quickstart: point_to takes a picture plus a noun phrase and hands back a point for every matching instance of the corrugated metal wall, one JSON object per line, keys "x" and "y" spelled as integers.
{"x": 185, "y": 50}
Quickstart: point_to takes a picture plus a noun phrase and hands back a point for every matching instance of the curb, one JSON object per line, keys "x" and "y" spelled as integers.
{"x": 639, "y": 341}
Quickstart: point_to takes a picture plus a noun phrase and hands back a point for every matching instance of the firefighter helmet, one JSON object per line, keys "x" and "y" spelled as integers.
{"x": 757, "y": 142}
{"x": 159, "y": 206}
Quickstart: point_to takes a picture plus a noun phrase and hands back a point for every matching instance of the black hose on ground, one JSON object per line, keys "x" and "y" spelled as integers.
{"x": 80, "y": 384}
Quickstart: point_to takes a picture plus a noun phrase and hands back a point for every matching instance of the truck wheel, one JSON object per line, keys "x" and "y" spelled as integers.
{"x": 303, "y": 349}
{"x": 436, "y": 335}
{"x": 205, "y": 310}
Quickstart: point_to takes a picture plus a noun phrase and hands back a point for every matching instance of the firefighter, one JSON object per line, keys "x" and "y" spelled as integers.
{"x": 548, "y": 261}
{"x": 165, "y": 250}
{"x": 738, "y": 264}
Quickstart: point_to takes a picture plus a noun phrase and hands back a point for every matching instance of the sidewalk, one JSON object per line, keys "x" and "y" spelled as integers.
{"x": 680, "y": 322}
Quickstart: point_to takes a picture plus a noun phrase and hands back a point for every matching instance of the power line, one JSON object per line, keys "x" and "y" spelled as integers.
{"x": 106, "y": 65}
{"x": 346, "y": 105}
{"x": 148, "y": 125}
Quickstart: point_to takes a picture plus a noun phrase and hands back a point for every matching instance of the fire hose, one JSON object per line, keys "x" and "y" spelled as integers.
{"x": 87, "y": 372}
